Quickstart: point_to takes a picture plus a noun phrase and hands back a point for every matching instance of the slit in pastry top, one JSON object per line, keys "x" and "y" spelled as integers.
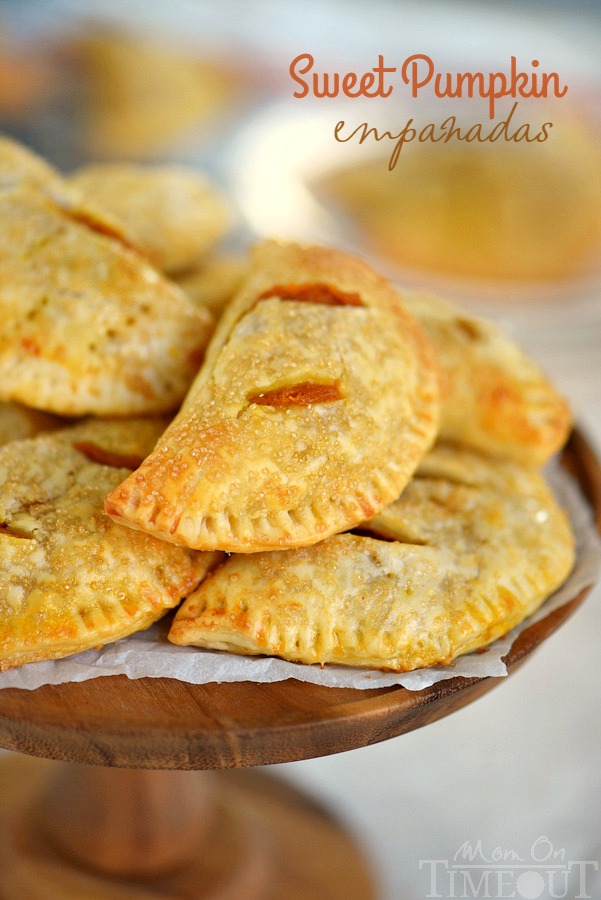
{"x": 98, "y": 454}
{"x": 304, "y": 394}
{"x": 324, "y": 294}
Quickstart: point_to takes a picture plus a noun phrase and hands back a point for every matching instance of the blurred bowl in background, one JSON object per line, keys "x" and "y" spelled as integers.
{"x": 503, "y": 212}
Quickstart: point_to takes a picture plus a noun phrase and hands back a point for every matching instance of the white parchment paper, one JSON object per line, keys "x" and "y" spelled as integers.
{"x": 148, "y": 654}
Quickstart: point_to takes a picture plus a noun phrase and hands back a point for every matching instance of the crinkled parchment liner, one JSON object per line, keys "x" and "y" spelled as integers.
{"x": 148, "y": 654}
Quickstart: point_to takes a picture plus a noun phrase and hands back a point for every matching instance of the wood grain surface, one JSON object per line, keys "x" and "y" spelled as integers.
{"x": 167, "y": 724}
{"x": 259, "y": 838}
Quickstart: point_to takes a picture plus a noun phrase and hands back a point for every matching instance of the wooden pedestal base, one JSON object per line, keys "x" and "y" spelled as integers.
{"x": 71, "y": 832}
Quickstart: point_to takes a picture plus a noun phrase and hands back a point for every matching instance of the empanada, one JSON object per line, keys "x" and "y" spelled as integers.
{"x": 70, "y": 577}
{"x": 317, "y": 400}
{"x": 174, "y": 214}
{"x": 88, "y": 325}
{"x": 471, "y": 547}
{"x": 494, "y": 397}
{"x": 143, "y": 95}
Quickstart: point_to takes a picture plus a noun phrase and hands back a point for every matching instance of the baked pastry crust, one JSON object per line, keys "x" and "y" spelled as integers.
{"x": 88, "y": 325}
{"x": 172, "y": 213}
{"x": 71, "y": 578}
{"x": 470, "y": 549}
{"x": 316, "y": 402}
{"x": 494, "y": 398}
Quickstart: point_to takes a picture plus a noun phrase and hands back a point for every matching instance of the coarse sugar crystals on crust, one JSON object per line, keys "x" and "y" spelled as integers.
{"x": 471, "y": 547}
{"x": 317, "y": 399}
{"x": 70, "y": 578}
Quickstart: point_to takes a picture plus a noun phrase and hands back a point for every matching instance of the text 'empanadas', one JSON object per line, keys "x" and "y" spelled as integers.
{"x": 494, "y": 397}
{"x": 470, "y": 549}
{"x": 88, "y": 326}
{"x": 70, "y": 577}
{"x": 316, "y": 402}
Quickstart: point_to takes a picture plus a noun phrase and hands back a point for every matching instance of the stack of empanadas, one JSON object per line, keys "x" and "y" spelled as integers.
{"x": 90, "y": 327}
{"x": 368, "y": 459}
{"x": 473, "y": 544}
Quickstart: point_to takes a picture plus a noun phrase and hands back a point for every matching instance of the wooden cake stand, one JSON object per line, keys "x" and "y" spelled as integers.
{"x": 130, "y": 824}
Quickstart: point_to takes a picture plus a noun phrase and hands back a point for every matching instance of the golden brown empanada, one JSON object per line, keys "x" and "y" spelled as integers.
{"x": 18, "y": 422}
{"x": 494, "y": 397}
{"x": 143, "y": 95}
{"x": 174, "y": 214}
{"x": 70, "y": 577}
{"x": 316, "y": 402}
{"x": 88, "y": 325}
{"x": 471, "y": 547}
